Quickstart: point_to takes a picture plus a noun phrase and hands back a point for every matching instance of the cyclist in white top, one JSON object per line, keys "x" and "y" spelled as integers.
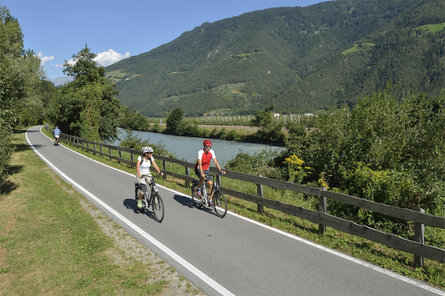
{"x": 143, "y": 175}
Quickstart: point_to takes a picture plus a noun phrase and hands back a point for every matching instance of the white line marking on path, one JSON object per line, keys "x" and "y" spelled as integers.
{"x": 205, "y": 278}
{"x": 320, "y": 247}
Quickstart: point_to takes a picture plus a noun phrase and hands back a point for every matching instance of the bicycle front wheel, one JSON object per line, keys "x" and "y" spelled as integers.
{"x": 220, "y": 204}
{"x": 197, "y": 199}
{"x": 158, "y": 207}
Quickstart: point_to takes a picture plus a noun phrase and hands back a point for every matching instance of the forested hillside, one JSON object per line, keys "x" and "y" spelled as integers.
{"x": 298, "y": 59}
{"x": 408, "y": 53}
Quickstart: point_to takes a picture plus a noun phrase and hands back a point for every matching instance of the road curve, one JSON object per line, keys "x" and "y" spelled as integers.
{"x": 230, "y": 256}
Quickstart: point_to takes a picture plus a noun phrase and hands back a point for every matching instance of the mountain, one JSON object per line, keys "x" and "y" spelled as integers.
{"x": 300, "y": 59}
{"x": 408, "y": 52}
{"x": 58, "y": 81}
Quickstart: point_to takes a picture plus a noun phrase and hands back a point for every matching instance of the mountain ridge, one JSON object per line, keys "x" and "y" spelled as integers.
{"x": 271, "y": 57}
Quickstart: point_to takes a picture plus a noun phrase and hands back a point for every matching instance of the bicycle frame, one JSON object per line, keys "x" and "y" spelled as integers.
{"x": 218, "y": 198}
{"x": 154, "y": 200}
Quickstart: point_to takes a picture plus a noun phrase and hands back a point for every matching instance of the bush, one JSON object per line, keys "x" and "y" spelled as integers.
{"x": 261, "y": 163}
{"x": 133, "y": 142}
{"x": 383, "y": 150}
{"x": 5, "y": 151}
{"x": 386, "y": 186}
{"x": 174, "y": 120}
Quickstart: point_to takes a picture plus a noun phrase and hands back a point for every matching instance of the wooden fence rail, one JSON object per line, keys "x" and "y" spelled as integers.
{"x": 417, "y": 247}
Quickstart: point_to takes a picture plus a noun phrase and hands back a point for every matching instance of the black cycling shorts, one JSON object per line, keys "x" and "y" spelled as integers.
{"x": 206, "y": 172}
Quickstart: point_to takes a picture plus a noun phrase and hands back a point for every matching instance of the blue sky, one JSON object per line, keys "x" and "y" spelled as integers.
{"x": 117, "y": 29}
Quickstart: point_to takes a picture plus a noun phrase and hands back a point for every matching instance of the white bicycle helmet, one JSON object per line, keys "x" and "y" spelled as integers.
{"x": 147, "y": 149}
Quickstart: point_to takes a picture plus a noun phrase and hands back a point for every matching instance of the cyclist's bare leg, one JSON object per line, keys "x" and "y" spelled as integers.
{"x": 210, "y": 184}
{"x": 201, "y": 180}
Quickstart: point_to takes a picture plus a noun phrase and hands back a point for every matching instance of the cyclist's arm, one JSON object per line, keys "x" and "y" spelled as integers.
{"x": 156, "y": 167}
{"x": 138, "y": 165}
{"x": 218, "y": 166}
{"x": 200, "y": 168}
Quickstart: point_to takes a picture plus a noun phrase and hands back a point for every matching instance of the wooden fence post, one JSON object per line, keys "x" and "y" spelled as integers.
{"x": 322, "y": 209}
{"x": 94, "y": 152}
{"x": 419, "y": 236}
{"x": 165, "y": 168}
{"x": 259, "y": 190}
{"x": 109, "y": 152}
{"x": 187, "y": 173}
{"x": 120, "y": 156}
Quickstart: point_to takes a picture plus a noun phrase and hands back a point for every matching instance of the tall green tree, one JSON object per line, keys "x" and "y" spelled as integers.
{"x": 174, "y": 120}
{"x": 11, "y": 78}
{"x": 87, "y": 106}
{"x": 270, "y": 129}
{"x": 19, "y": 72}
{"x": 84, "y": 69}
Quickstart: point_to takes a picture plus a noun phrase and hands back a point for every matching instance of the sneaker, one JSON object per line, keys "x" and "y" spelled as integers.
{"x": 139, "y": 204}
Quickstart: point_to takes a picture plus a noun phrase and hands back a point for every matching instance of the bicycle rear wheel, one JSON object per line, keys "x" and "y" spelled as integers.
{"x": 158, "y": 207}
{"x": 220, "y": 204}
{"x": 197, "y": 199}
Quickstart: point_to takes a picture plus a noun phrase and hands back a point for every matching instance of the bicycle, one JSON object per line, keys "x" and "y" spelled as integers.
{"x": 153, "y": 199}
{"x": 219, "y": 200}
{"x": 56, "y": 140}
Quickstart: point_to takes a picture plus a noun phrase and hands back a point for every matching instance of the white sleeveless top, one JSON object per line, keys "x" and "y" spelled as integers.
{"x": 144, "y": 168}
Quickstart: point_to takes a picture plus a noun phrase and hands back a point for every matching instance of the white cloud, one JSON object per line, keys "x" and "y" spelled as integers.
{"x": 71, "y": 62}
{"x": 110, "y": 57}
{"x": 43, "y": 59}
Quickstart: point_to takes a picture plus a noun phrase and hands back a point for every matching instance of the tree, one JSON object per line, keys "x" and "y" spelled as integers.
{"x": 19, "y": 70}
{"x": 263, "y": 119}
{"x": 83, "y": 68}
{"x": 270, "y": 130}
{"x": 11, "y": 79}
{"x": 87, "y": 106}
{"x": 383, "y": 150}
{"x": 174, "y": 119}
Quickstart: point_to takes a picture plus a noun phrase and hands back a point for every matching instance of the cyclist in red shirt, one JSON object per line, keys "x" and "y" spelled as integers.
{"x": 202, "y": 165}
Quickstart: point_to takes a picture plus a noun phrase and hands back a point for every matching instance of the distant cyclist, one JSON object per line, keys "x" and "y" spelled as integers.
{"x": 143, "y": 171}
{"x": 56, "y": 133}
{"x": 202, "y": 165}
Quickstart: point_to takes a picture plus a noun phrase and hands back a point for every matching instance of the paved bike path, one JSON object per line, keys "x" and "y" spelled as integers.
{"x": 229, "y": 256}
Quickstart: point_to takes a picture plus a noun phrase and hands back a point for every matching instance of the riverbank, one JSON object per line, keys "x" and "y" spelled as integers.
{"x": 245, "y": 134}
{"x": 186, "y": 148}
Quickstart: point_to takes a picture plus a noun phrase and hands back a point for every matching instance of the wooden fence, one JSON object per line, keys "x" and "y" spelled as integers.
{"x": 320, "y": 217}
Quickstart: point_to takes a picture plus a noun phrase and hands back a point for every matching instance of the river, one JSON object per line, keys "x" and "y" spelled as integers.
{"x": 186, "y": 148}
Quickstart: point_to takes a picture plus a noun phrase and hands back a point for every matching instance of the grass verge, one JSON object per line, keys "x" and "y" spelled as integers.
{"x": 54, "y": 242}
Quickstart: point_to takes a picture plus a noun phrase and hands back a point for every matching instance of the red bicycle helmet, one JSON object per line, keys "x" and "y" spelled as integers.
{"x": 207, "y": 143}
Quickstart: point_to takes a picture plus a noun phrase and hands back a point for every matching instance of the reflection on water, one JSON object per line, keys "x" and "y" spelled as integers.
{"x": 186, "y": 148}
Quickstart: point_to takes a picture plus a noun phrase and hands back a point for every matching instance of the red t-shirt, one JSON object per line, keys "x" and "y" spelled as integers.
{"x": 205, "y": 159}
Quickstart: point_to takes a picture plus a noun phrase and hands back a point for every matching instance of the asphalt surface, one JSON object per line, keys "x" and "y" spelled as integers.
{"x": 229, "y": 256}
